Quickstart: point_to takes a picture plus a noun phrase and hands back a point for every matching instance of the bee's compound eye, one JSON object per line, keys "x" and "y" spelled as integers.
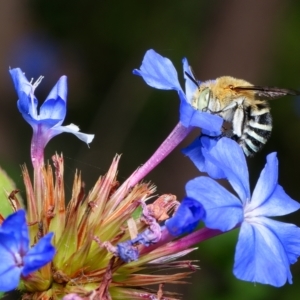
{"x": 203, "y": 99}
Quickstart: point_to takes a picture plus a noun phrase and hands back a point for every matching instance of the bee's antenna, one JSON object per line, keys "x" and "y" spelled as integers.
{"x": 191, "y": 78}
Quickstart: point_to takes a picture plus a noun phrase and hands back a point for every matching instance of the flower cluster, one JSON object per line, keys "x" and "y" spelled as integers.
{"x": 101, "y": 244}
{"x": 266, "y": 248}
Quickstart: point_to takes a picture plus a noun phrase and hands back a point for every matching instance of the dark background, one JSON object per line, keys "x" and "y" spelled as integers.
{"x": 97, "y": 44}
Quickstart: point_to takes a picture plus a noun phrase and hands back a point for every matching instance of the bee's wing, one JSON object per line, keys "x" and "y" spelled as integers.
{"x": 268, "y": 93}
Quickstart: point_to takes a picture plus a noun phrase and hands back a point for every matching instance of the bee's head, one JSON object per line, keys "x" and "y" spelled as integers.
{"x": 202, "y": 98}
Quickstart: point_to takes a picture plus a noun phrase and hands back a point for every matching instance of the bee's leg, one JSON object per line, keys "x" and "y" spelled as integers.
{"x": 206, "y": 109}
{"x": 225, "y": 132}
{"x": 238, "y": 121}
{"x": 234, "y": 105}
{"x": 228, "y": 133}
{"x": 216, "y": 137}
{"x": 235, "y": 137}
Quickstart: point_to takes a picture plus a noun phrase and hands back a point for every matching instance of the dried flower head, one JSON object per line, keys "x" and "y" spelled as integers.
{"x": 86, "y": 232}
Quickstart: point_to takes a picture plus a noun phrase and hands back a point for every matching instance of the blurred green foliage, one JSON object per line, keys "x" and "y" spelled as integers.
{"x": 6, "y": 187}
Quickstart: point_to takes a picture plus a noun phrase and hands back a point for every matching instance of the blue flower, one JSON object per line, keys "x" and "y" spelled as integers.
{"x": 188, "y": 215}
{"x": 159, "y": 72}
{"x": 265, "y": 247}
{"x": 47, "y": 122}
{"x": 16, "y": 257}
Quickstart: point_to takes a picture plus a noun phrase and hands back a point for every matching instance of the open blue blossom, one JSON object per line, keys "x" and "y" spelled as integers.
{"x": 16, "y": 258}
{"x": 188, "y": 215}
{"x": 159, "y": 72}
{"x": 266, "y": 248}
{"x": 47, "y": 122}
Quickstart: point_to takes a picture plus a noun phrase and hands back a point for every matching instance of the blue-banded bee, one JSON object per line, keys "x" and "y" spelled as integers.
{"x": 243, "y": 105}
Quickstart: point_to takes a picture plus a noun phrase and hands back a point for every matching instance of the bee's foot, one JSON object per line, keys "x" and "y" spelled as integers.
{"x": 216, "y": 137}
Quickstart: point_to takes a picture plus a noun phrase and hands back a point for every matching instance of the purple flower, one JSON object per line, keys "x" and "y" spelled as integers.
{"x": 188, "y": 215}
{"x": 16, "y": 257}
{"x": 47, "y": 122}
{"x": 266, "y": 248}
{"x": 159, "y": 72}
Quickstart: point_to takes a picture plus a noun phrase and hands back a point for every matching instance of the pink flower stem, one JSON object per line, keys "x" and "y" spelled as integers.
{"x": 183, "y": 243}
{"x": 173, "y": 140}
{"x": 195, "y": 238}
{"x": 37, "y": 159}
{"x": 37, "y": 148}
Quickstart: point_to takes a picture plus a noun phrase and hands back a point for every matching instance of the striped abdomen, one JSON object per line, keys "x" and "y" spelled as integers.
{"x": 257, "y": 129}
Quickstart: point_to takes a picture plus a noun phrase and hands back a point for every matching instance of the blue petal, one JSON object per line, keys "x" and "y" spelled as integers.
{"x": 158, "y": 72}
{"x": 223, "y": 210}
{"x": 289, "y": 236}
{"x": 15, "y": 224}
{"x": 190, "y": 86}
{"x": 267, "y": 181}
{"x": 229, "y": 156}
{"x": 38, "y": 256}
{"x": 9, "y": 246}
{"x": 9, "y": 272}
{"x": 54, "y": 106}
{"x": 60, "y": 90}
{"x": 27, "y": 103}
{"x": 260, "y": 255}
{"x": 53, "y": 109}
{"x": 269, "y": 198}
{"x": 189, "y": 116}
{"x": 186, "y": 111}
{"x": 195, "y": 152}
{"x": 186, "y": 218}
{"x": 278, "y": 204}
{"x": 72, "y": 128}
{"x": 27, "y": 108}
{"x": 206, "y": 121}
{"x": 212, "y": 169}
{"x": 45, "y": 124}
{"x": 21, "y": 83}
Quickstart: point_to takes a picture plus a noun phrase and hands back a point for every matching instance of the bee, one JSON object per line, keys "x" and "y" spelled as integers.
{"x": 243, "y": 105}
